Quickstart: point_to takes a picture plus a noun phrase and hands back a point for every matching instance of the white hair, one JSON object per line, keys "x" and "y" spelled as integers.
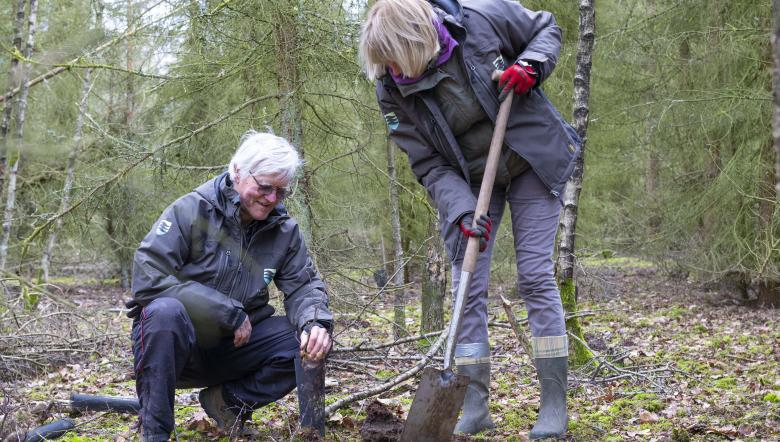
{"x": 263, "y": 153}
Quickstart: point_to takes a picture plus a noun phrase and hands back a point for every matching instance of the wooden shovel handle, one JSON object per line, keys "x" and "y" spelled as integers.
{"x": 483, "y": 201}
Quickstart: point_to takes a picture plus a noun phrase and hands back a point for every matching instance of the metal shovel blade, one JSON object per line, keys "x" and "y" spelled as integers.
{"x": 434, "y": 411}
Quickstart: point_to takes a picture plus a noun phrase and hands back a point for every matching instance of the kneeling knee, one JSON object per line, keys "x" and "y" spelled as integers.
{"x": 167, "y": 311}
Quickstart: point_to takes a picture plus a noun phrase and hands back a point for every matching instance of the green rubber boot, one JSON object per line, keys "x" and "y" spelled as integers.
{"x": 552, "y": 420}
{"x": 473, "y": 360}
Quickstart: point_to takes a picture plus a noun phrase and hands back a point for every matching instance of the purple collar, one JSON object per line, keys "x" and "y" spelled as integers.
{"x": 447, "y": 44}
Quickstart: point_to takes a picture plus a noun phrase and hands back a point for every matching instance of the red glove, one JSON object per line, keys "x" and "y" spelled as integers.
{"x": 481, "y": 230}
{"x": 519, "y": 77}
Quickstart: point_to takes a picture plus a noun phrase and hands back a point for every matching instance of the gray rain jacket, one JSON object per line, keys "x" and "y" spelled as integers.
{"x": 492, "y": 34}
{"x": 199, "y": 253}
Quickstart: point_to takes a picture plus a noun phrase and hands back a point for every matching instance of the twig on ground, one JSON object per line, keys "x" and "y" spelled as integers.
{"x": 393, "y": 382}
{"x": 519, "y": 333}
{"x": 622, "y": 373}
{"x": 360, "y": 346}
{"x": 355, "y": 363}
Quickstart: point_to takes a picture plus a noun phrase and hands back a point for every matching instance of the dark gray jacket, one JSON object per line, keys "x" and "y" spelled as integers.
{"x": 199, "y": 253}
{"x": 492, "y": 34}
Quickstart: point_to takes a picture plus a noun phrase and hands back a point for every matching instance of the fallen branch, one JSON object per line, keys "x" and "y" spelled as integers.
{"x": 393, "y": 382}
{"x": 519, "y": 333}
{"x": 360, "y": 346}
{"x": 10, "y": 276}
{"x": 622, "y": 373}
{"x": 356, "y": 364}
{"x": 497, "y": 324}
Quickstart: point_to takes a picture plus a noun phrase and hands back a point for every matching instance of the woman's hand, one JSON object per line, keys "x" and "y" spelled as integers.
{"x": 481, "y": 230}
{"x": 520, "y": 77}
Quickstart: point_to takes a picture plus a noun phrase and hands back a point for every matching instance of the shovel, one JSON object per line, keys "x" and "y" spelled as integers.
{"x": 440, "y": 395}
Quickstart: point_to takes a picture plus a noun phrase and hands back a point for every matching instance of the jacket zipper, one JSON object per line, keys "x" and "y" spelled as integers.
{"x": 222, "y": 272}
{"x": 446, "y": 148}
{"x": 437, "y": 134}
{"x": 243, "y": 251}
{"x": 473, "y": 69}
{"x": 479, "y": 79}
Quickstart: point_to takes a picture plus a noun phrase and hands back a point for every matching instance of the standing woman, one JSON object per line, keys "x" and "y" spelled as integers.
{"x": 433, "y": 67}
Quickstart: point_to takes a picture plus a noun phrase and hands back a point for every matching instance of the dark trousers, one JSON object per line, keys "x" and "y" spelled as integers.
{"x": 167, "y": 356}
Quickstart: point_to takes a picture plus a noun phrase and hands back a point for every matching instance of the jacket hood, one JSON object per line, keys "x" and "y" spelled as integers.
{"x": 450, "y": 7}
{"x": 219, "y": 191}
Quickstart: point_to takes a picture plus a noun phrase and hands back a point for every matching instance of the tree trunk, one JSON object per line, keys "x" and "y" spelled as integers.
{"x": 776, "y": 90}
{"x": 769, "y": 292}
{"x": 288, "y": 80}
{"x": 66, "y": 188}
{"x": 766, "y": 286}
{"x": 571, "y": 196}
{"x": 434, "y": 284}
{"x": 399, "y": 315}
{"x": 99, "y": 7}
{"x": 14, "y": 77}
{"x": 652, "y": 164}
{"x": 8, "y": 217}
{"x": 21, "y": 108}
{"x": 130, "y": 85}
{"x": 118, "y": 211}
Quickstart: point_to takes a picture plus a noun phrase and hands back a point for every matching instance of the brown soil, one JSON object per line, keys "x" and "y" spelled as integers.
{"x": 381, "y": 424}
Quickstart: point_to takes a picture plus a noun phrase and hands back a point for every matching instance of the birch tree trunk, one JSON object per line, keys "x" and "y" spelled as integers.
{"x": 21, "y": 107}
{"x": 66, "y": 188}
{"x": 399, "y": 315}
{"x": 13, "y": 79}
{"x": 571, "y": 196}
{"x": 434, "y": 285}
{"x": 776, "y": 90}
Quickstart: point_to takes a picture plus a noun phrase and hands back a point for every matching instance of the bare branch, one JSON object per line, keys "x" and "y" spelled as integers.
{"x": 391, "y": 383}
{"x": 137, "y": 162}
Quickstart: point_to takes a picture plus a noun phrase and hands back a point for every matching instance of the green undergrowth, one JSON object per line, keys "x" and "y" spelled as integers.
{"x": 79, "y": 280}
{"x": 606, "y": 259}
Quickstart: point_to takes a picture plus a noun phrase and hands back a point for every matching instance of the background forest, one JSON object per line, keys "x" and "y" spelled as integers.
{"x": 678, "y": 169}
{"x": 133, "y": 103}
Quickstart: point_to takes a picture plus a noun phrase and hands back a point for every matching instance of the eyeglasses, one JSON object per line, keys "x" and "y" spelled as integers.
{"x": 267, "y": 189}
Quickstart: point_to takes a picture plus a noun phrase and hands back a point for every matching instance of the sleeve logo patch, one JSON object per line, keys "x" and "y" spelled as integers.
{"x": 392, "y": 121}
{"x": 499, "y": 63}
{"x": 163, "y": 227}
{"x": 268, "y": 275}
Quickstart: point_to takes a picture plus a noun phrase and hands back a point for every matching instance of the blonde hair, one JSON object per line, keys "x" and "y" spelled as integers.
{"x": 400, "y": 32}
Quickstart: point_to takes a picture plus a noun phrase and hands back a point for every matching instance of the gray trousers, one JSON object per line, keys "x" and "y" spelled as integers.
{"x": 534, "y": 215}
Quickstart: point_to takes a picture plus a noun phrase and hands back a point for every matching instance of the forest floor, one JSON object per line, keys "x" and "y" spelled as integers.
{"x": 676, "y": 363}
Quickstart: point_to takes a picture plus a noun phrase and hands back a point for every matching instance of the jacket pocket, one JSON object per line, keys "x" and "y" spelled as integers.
{"x": 453, "y": 239}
